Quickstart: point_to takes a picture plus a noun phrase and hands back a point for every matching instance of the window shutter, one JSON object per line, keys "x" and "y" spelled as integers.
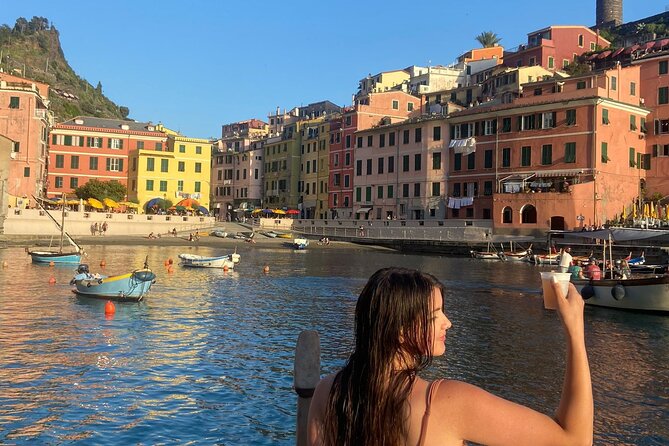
{"x": 452, "y": 132}
{"x": 657, "y": 126}
{"x": 554, "y": 119}
{"x": 655, "y": 150}
{"x": 108, "y": 167}
{"x": 120, "y": 143}
{"x": 477, "y": 126}
{"x": 120, "y": 165}
{"x": 494, "y": 126}
{"x": 88, "y": 141}
{"x": 81, "y": 141}
{"x": 519, "y": 123}
{"x": 108, "y": 144}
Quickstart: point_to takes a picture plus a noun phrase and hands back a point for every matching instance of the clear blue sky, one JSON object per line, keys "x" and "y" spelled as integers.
{"x": 196, "y": 65}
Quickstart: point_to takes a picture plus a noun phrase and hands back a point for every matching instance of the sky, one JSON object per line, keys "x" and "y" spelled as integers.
{"x": 197, "y": 65}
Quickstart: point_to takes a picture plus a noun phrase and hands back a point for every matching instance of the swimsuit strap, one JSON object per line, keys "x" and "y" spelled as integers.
{"x": 432, "y": 389}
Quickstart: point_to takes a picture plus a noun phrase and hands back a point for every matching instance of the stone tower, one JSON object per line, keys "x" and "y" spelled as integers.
{"x": 609, "y": 13}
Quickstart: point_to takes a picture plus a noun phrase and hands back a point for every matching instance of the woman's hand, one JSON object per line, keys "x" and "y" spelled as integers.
{"x": 570, "y": 308}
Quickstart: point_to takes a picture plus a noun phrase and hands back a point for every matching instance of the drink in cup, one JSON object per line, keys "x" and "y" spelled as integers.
{"x": 550, "y": 299}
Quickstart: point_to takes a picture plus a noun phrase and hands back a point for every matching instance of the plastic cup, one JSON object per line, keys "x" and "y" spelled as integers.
{"x": 550, "y": 299}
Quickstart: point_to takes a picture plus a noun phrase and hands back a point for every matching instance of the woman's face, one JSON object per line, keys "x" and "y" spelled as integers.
{"x": 440, "y": 323}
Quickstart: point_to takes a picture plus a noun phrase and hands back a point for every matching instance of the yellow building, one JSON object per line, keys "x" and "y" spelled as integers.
{"x": 313, "y": 141}
{"x": 386, "y": 80}
{"x": 181, "y": 171}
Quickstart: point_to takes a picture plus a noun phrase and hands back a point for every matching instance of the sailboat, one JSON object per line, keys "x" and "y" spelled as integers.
{"x": 59, "y": 256}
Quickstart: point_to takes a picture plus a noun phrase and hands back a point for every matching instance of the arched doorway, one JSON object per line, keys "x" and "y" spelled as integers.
{"x": 557, "y": 223}
{"x": 507, "y": 215}
{"x": 528, "y": 214}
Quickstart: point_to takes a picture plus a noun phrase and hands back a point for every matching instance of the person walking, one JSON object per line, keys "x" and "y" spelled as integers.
{"x": 565, "y": 260}
{"x": 104, "y": 228}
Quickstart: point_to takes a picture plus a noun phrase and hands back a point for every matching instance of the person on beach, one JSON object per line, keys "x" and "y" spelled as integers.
{"x": 378, "y": 398}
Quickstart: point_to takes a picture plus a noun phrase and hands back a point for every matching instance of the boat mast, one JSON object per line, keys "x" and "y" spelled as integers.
{"x": 62, "y": 224}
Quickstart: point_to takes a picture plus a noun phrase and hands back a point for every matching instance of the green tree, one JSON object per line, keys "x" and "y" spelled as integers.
{"x": 101, "y": 189}
{"x": 125, "y": 111}
{"x": 488, "y": 39}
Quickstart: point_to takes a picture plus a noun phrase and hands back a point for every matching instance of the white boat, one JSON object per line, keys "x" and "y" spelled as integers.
{"x": 60, "y": 255}
{"x": 546, "y": 259}
{"x": 196, "y": 261}
{"x": 490, "y": 253}
{"x": 644, "y": 293}
{"x": 300, "y": 243}
{"x": 517, "y": 255}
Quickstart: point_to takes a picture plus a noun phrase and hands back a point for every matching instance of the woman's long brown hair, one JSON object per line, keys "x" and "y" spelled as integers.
{"x": 367, "y": 401}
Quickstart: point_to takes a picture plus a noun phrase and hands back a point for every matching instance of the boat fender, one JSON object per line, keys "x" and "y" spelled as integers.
{"x": 587, "y": 292}
{"x": 618, "y": 292}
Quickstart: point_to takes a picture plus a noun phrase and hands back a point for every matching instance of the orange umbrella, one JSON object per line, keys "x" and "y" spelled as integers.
{"x": 186, "y": 202}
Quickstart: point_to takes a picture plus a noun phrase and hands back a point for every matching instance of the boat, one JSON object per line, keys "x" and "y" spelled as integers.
{"x": 60, "y": 255}
{"x": 490, "y": 253}
{"x": 517, "y": 255}
{"x": 196, "y": 261}
{"x": 620, "y": 288}
{"x": 284, "y": 235}
{"x": 129, "y": 287}
{"x": 300, "y": 243}
{"x": 270, "y": 234}
{"x": 219, "y": 233}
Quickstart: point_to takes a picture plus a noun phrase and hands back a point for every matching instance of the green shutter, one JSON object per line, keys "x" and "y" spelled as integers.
{"x": 605, "y": 152}
{"x": 655, "y": 150}
{"x": 120, "y": 165}
{"x": 108, "y": 144}
{"x": 108, "y": 161}
{"x": 120, "y": 145}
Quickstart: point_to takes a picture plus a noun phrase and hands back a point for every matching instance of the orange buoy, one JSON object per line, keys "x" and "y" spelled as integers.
{"x": 170, "y": 261}
{"x": 4, "y": 264}
{"x": 170, "y": 270}
{"x": 225, "y": 268}
{"x": 103, "y": 263}
{"x": 51, "y": 264}
{"x": 167, "y": 262}
{"x": 265, "y": 269}
{"x": 110, "y": 308}
{"x": 52, "y": 280}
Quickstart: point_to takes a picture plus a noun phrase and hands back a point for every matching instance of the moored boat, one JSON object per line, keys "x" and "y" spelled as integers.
{"x": 489, "y": 254}
{"x": 57, "y": 256}
{"x": 518, "y": 255}
{"x": 129, "y": 287}
{"x": 300, "y": 243}
{"x": 196, "y": 261}
{"x": 637, "y": 293}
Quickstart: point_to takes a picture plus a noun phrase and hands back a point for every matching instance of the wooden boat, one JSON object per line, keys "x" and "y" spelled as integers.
{"x": 300, "y": 243}
{"x": 129, "y": 287}
{"x": 546, "y": 259}
{"x": 52, "y": 255}
{"x": 517, "y": 255}
{"x": 195, "y": 261}
{"x": 284, "y": 235}
{"x": 219, "y": 233}
{"x": 489, "y": 254}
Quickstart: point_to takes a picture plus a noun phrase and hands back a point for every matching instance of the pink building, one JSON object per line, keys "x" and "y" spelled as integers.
{"x": 564, "y": 155}
{"x": 555, "y": 47}
{"x": 25, "y": 120}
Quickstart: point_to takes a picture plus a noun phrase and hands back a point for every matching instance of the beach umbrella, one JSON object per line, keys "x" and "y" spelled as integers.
{"x": 634, "y": 212}
{"x": 94, "y": 203}
{"x": 267, "y": 211}
{"x": 129, "y": 204}
{"x": 646, "y": 210}
{"x": 256, "y": 211}
{"x": 203, "y": 210}
{"x": 186, "y": 202}
{"x": 623, "y": 216}
{"x": 110, "y": 203}
{"x": 279, "y": 212}
{"x": 653, "y": 210}
{"x": 179, "y": 208}
{"x": 292, "y": 212}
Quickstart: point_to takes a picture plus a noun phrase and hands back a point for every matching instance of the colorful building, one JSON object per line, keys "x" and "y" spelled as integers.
{"x": 312, "y": 167}
{"x": 86, "y": 147}
{"x": 562, "y": 156}
{"x": 25, "y": 120}
{"x": 175, "y": 168}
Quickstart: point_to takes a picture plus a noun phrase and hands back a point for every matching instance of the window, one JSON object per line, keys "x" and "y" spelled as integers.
{"x": 506, "y": 125}
{"x": 14, "y": 102}
{"x": 369, "y": 167}
{"x": 580, "y": 40}
{"x": 164, "y": 165}
{"x": 181, "y": 166}
{"x": 664, "y": 67}
{"x": 198, "y": 150}
{"x": 159, "y": 146}
{"x": 643, "y": 125}
{"x": 114, "y": 165}
{"x": 359, "y": 141}
{"x": 197, "y": 186}
{"x": 605, "y": 152}
{"x": 405, "y": 137}
{"x": 548, "y": 120}
{"x": 632, "y": 160}
{"x": 150, "y": 164}
{"x": 436, "y": 160}
{"x": 391, "y": 138}
{"x": 633, "y": 123}
{"x": 525, "y": 156}
{"x": 380, "y": 166}
{"x": 580, "y": 85}
{"x": 74, "y": 162}
{"x": 490, "y": 127}
{"x": 528, "y": 122}
{"x": 358, "y": 167}
{"x": 74, "y": 183}
{"x": 368, "y": 194}
{"x": 180, "y": 185}
{"x": 471, "y": 161}
{"x": 198, "y": 167}
{"x": 506, "y": 157}
{"x": 396, "y": 104}
{"x": 632, "y": 88}
{"x": 347, "y": 181}
{"x": 391, "y": 164}
{"x": 551, "y": 62}
{"x": 379, "y": 192}
{"x": 93, "y": 163}
{"x": 487, "y": 188}
{"x": 382, "y": 140}
{"x": 416, "y": 190}
{"x": 456, "y": 189}
{"x": 391, "y": 192}
{"x": 358, "y": 194}
{"x": 661, "y": 126}
{"x": 605, "y": 116}
{"x": 436, "y": 133}
{"x": 114, "y": 143}
{"x": 487, "y": 159}
{"x": 418, "y": 134}
{"x": 614, "y": 83}
{"x": 507, "y": 215}
{"x": 163, "y": 186}
{"x": 348, "y": 141}
{"x": 663, "y": 95}
{"x": 409, "y": 106}
{"x": 570, "y": 152}
{"x": 405, "y": 190}
{"x": 60, "y": 161}
{"x": 370, "y": 140}
{"x": 182, "y": 148}
{"x": 436, "y": 189}
{"x": 26, "y": 171}
{"x": 547, "y": 154}
{"x": 571, "y": 117}
{"x": 67, "y": 140}
{"x": 347, "y": 159}
{"x": 457, "y": 161}
{"x": 59, "y": 182}
{"x": 417, "y": 161}
{"x": 405, "y": 163}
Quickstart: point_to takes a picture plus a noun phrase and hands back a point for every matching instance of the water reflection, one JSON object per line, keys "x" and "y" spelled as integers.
{"x": 208, "y": 356}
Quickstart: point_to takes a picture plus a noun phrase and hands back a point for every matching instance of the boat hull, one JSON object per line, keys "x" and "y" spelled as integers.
{"x": 129, "y": 287}
{"x": 640, "y": 294}
{"x": 55, "y": 257}
{"x": 300, "y": 243}
{"x": 485, "y": 255}
{"x": 195, "y": 261}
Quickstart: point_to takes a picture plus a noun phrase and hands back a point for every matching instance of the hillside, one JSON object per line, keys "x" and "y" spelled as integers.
{"x": 32, "y": 49}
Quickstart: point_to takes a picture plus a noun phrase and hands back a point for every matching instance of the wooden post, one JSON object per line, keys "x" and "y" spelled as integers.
{"x": 306, "y": 375}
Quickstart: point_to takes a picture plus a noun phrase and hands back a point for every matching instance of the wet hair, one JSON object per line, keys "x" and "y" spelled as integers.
{"x": 367, "y": 404}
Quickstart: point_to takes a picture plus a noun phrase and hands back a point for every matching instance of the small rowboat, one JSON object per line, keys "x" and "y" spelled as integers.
{"x": 130, "y": 287}
{"x": 195, "y": 261}
{"x": 300, "y": 243}
{"x": 489, "y": 254}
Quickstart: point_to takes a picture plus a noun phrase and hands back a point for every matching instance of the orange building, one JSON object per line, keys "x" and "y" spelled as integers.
{"x": 25, "y": 119}
{"x": 86, "y": 147}
{"x": 563, "y": 155}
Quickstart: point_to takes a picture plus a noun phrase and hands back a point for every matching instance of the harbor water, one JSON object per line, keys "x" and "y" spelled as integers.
{"x": 207, "y": 357}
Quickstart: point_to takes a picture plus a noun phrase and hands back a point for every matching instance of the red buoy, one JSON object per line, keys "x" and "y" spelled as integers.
{"x": 52, "y": 280}
{"x": 170, "y": 261}
{"x": 110, "y": 308}
{"x": 265, "y": 269}
{"x": 167, "y": 262}
{"x": 103, "y": 263}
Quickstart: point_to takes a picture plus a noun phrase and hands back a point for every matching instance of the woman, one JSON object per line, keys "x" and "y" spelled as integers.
{"x": 378, "y": 398}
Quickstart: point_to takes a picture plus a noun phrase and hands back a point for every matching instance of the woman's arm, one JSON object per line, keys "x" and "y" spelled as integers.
{"x": 471, "y": 413}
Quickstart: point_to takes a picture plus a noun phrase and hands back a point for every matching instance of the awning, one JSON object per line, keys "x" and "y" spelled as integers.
{"x": 363, "y": 210}
{"x": 617, "y": 52}
{"x": 631, "y": 49}
{"x": 464, "y": 146}
{"x": 518, "y": 177}
{"x": 648, "y": 45}
{"x": 660, "y": 43}
{"x": 559, "y": 173}
{"x": 604, "y": 54}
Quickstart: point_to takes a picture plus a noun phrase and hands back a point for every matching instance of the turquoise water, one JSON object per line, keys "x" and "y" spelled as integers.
{"x": 208, "y": 356}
